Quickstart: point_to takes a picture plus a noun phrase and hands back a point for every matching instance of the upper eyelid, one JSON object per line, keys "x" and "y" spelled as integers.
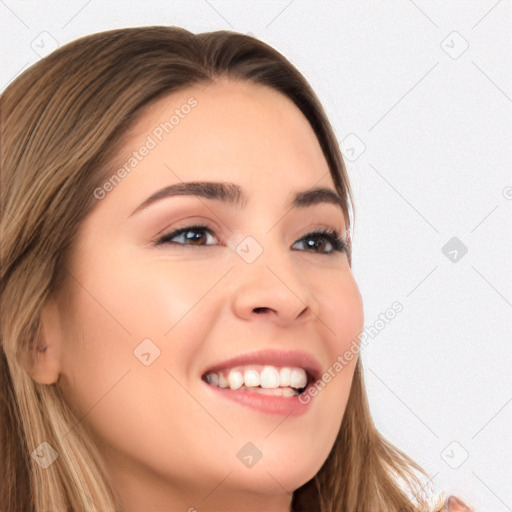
{"x": 204, "y": 218}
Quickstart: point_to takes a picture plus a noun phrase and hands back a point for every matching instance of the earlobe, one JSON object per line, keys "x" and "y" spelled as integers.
{"x": 43, "y": 361}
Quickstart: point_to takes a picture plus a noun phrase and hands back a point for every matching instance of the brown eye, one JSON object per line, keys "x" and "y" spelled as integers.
{"x": 191, "y": 235}
{"x": 319, "y": 238}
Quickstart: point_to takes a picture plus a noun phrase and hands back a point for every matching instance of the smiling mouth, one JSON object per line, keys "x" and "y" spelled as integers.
{"x": 285, "y": 381}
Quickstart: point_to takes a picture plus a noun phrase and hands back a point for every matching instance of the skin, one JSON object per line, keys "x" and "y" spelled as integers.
{"x": 170, "y": 443}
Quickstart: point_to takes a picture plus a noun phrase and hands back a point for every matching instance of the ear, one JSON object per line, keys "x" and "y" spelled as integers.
{"x": 43, "y": 363}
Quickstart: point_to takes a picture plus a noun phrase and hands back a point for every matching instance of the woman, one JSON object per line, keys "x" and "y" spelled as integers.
{"x": 145, "y": 369}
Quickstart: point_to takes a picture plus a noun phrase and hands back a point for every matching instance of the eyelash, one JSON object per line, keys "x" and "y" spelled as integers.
{"x": 332, "y": 236}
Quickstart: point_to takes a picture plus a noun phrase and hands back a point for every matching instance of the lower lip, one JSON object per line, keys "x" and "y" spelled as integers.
{"x": 280, "y": 405}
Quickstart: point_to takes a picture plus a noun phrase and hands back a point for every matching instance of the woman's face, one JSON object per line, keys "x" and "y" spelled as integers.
{"x": 151, "y": 313}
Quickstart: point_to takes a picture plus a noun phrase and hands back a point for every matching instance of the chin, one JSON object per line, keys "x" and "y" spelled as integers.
{"x": 280, "y": 472}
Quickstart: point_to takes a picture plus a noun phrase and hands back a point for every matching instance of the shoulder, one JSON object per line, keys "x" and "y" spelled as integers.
{"x": 455, "y": 504}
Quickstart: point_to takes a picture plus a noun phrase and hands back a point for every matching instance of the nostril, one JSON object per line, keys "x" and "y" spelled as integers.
{"x": 260, "y": 310}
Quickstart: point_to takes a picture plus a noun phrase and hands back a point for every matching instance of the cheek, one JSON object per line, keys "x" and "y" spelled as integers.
{"x": 341, "y": 312}
{"x": 131, "y": 406}
{"x": 118, "y": 303}
{"x": 348, "y": 313}
{"x": 123, "y": 309}
{"x": 136, "y": 296}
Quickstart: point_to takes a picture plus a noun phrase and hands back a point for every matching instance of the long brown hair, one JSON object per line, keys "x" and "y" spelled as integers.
{"x": 62, "y": 121}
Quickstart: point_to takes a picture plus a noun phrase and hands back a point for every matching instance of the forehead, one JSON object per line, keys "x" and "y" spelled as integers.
{"x": 227, "y": 131}
{"x": 239, "y": 125}
{"x": 225, "y": 104}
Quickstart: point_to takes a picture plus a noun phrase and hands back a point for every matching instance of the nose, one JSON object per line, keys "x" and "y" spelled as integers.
{"x": 270, "y": 289}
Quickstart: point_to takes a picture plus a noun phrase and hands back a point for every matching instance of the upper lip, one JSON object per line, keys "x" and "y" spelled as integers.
{"x": 272, "y": 357}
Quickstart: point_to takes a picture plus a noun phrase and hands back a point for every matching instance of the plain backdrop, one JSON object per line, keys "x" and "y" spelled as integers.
{"x": 420, "y": 96}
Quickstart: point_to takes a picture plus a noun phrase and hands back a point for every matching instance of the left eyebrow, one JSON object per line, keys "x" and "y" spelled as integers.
{"x": 233, "y": 194}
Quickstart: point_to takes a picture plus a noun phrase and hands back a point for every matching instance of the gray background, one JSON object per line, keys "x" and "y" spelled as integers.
{"x": 420, "y": 95}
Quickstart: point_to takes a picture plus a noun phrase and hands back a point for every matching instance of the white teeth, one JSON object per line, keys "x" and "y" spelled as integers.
{"x": 235, "y": 379}
{"x": 284, "y": 377}
{"x": 269, "y": 377}
{"x": 298, "y": 378}
{"x": 257, "y": 378}
{"x": 251, "y": 378}
{"x": 223, "y": 382}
